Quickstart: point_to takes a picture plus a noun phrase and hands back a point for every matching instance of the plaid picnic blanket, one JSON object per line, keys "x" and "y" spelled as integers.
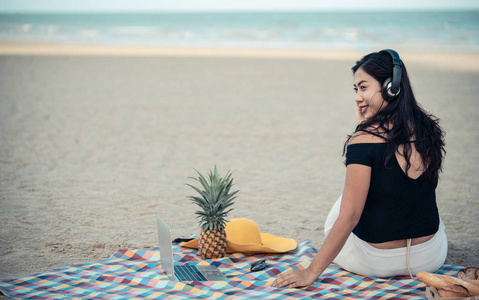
{"x": 135, "y": 274}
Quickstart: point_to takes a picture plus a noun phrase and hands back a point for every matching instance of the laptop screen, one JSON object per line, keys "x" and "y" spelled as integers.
{"x": 166, "y": 249}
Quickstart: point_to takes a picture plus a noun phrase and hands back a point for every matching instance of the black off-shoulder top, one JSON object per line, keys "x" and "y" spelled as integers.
{"x": 397, "y": 207}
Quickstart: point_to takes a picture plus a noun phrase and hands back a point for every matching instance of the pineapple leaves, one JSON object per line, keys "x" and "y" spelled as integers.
{"x": 215, "y": 199}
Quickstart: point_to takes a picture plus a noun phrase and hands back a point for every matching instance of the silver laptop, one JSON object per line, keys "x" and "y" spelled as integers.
{"x": 182, "y": 272}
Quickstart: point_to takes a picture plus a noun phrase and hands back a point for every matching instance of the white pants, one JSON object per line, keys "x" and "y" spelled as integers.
{"x": 359, "y": 257}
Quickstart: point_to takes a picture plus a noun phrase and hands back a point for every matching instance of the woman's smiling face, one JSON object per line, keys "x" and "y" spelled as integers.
{"x": 368, "y": 95}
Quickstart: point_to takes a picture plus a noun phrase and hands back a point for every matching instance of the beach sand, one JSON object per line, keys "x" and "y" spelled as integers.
{"x": 95, "y": 143}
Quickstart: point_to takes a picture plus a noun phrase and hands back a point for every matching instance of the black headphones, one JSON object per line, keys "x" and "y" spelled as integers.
{"x": 391, "y": 85}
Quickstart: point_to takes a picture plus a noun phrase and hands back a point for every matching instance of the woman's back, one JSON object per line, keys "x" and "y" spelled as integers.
{"x": 398, "y": 206}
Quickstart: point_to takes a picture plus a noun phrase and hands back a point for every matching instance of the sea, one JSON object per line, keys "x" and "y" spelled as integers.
{"x": 363, "y": 30}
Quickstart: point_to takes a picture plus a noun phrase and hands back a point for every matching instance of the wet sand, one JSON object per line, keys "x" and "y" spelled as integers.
{"x": 94, "y": 144}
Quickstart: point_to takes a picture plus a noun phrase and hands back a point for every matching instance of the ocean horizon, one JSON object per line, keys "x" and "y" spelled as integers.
{"x": 363, "y": 30}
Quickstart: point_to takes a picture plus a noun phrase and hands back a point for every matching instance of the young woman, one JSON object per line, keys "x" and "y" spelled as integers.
{"x": 386, "y": 222}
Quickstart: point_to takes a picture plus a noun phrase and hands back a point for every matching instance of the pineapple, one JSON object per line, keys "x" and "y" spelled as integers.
{"x": 215, "y": 203}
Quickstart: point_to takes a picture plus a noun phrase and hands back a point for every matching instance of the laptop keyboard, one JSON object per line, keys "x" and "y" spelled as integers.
{"x": 188, "y": 273}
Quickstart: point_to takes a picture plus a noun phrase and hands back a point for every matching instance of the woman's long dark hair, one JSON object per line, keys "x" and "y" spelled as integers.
{"x": 403, "y": 120}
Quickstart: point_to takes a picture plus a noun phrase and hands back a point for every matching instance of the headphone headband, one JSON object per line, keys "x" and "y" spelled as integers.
{"x": 392, "y": 87}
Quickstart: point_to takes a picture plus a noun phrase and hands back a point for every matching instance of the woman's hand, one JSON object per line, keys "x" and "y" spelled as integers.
{"x": 295, "y": 278}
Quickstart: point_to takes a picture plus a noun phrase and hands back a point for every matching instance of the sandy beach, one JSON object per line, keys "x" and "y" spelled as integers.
{"x": 94, "y": 143}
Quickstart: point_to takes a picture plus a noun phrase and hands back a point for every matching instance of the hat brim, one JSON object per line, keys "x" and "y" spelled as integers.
{"x": 270, "y": 244}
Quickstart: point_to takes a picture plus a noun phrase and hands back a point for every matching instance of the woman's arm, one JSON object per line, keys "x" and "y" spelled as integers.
{"x": 356, "y": 188}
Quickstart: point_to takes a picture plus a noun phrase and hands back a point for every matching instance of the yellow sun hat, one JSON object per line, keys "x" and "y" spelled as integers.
{"x": 243, "y": 235}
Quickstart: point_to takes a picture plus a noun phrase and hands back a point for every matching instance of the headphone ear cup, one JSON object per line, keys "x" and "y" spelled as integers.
{"x": 386, "y": 90}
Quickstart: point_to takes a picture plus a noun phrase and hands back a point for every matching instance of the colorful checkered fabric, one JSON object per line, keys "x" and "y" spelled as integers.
{"x": 134, "y": 274}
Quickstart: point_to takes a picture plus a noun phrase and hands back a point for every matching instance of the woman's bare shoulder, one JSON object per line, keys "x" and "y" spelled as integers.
{"x": 364, "y": 137}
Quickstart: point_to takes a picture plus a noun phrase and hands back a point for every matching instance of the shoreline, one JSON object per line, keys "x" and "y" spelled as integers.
{"x": 459, "y": 60}
{"x": 42, "y": 48}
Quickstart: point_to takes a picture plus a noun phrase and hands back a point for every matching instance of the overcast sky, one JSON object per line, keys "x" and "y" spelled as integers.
{"x": 234, "y": 5}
